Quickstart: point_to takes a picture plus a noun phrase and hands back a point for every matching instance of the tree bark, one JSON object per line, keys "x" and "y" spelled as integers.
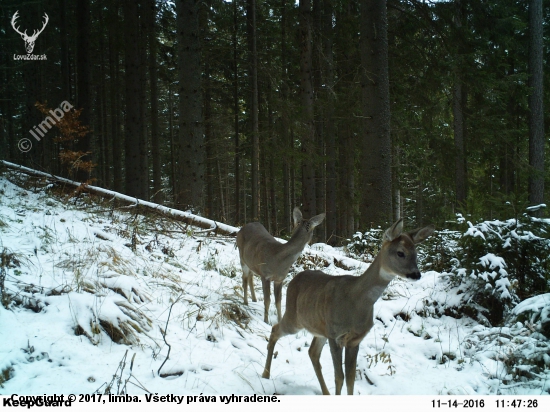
{"x": 150, "y": 14}
{"x": 536, "y": 105}
{"x": 284, "y": 144}
{"x": 172, "y": 142}
{"x": 211, "y": 157}
{"x": 459, "y": 123}
{"x": 14, "y": 154}
{"x": 104, "y": 158}
{"x": 254, "y": 106}
{"x": 236, "y": 109}
{"x": 114, "y": 91}
{"x": 395, "y": 182}
{"x": 133, "y": 122}
{"x": 190, "y": 150}
{"x": 309, "y": 207}
{"x": 84, "y": 80}
{"x": 376, "y": 190}
{"x": 330, "y": 129}
{"x": 64, "y": 45}
{"x": 144, "y": 114}
{"x": 318, "y": 113}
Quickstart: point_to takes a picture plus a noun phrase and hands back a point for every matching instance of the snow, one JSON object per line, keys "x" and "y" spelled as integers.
{"x": 83, "y": 267}
{"x": 533, "y": 304}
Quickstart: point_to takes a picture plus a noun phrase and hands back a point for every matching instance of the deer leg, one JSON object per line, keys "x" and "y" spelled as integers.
{"x": 278, "y": 292}
{"x": 314, "y": 354}
{"x": 336, "y": 352}
{"x": 351, "y": 365}
{"x": 283, "y": 328}
{"x": 266, "y": 286}
{"x": 246, "y": 271}
{"x": 276, "y": 334}
{"x": 251, "y": 285}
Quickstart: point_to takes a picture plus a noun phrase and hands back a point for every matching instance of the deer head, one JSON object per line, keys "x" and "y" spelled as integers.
{"x": 29, "y": 40}
{"x": 399, "y": 250}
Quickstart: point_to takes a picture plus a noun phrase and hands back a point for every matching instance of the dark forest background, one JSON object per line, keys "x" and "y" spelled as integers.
{"x": 241, "y": 110}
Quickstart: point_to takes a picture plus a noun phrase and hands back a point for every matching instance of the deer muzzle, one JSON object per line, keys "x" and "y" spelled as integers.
{"x": 414, "y": 275}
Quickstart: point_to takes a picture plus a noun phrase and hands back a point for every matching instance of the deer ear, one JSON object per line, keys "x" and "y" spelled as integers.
{"x": 394, "y": 231}
{"x": 297, "y": 215}
{"x": 316, "y": 221}
{"x": 420, "y": 235}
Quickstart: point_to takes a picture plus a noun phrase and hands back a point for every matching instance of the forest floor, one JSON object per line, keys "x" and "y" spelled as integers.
{"x": 102, "y": 298}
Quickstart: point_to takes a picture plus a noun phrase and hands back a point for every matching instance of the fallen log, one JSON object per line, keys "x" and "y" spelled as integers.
{"x": 208, "y": 224}
{"x": 187, "y": 217}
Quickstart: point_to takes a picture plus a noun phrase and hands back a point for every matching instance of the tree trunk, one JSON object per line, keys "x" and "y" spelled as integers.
{"x": 64, "y": 45}
{"x": 318, "y": 112}
{"x": 105, "y": 149}
{"x": 419, "y": 206}
{"x": 102, "y": 155}
{"x": 222, "y": 202}
{"x": 459, "y": 123}
{"x": 330, "y": 129}
{"x": 14, "y": 153}
{"x": 347, "y": 178}
{"x": 459, "y": 143}
{"x": 293, "y": 200}
{"x": 507, "y": 166}
{"x": 285, "y": 145}
{"x": 190, "y": 151}
{"x": 211, "y": 158}
{"x": 133, "y": 125}
{"x": 271, "y": 150}
{"x": 536, "y": 105}
{"x": 114, "y": 92}
{"x": 264, "y": 191}
{"x": 376, "y": 203}
{"x": 150, "y": 14}
{"x": 254, "y": 106}
{"x": 396, "y": 186}
{"x": 272, "y": 196}
{"x": 236, "y": 109}
{"x": 172, "y": 143}
{"x": 84, "y": 80}
{"x": 144, "y": 114}
{"x": 306, "y": 95}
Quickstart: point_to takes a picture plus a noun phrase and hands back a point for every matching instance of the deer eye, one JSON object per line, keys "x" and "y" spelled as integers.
{"x": 400, "y": 254}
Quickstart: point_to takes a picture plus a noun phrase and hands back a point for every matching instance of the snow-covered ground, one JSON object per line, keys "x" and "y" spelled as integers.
{"x": 92, "y": 288}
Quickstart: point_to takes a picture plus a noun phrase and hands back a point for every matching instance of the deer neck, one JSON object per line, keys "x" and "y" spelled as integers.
{"x": 372, "y": 283}
{"x": 292, "y": 249}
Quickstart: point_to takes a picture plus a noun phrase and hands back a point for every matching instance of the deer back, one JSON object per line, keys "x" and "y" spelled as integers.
{"x": 266, "y": 256}
{"x": 258, "y": 249}
{"x": 322, "y": 304}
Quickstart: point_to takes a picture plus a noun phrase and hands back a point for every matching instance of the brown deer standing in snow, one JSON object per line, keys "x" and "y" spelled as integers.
{"x": 263, "y": 255}
{"x": 340, "y": 308}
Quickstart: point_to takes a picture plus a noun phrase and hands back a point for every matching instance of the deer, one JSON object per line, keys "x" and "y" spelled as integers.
{"x": 261, "y": 254}
{"x": 340, "y": 308}
{"x": 29, "y": 40}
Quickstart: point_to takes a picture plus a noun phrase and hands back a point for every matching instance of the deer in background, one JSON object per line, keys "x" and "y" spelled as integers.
{"x": 262, "y": 254}
{"x": 340, "y": 308}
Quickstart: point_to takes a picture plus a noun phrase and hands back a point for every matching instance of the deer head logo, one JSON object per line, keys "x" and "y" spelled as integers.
{"x": 29, "y": 40}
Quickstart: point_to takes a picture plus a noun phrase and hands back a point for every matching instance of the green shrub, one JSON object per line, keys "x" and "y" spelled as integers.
{"x": 437, "y": 252}
{"x": 499, "y": 263}
{"x": 366, "y": 245}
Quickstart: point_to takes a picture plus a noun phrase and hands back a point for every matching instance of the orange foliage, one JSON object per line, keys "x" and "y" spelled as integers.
{"x": 70, "y": 130}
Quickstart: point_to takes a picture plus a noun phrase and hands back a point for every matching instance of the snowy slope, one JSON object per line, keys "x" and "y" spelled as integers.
{"x": 82, "y": 276}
